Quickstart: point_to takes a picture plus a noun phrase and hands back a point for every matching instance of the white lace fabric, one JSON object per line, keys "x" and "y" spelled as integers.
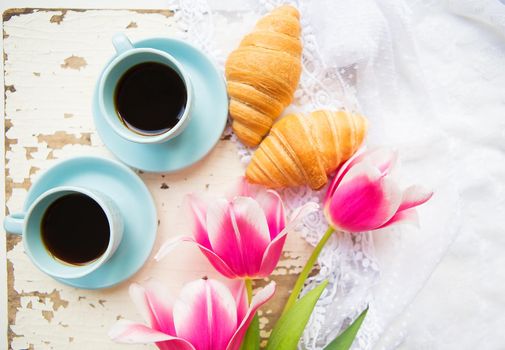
{"x": 361, "y": 56}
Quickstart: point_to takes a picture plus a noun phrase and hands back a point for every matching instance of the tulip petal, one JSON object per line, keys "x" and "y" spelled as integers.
{"x": 206, "y": 314}
{"x": 274, "y": 249}
{"x": 272, "y": 255}
{"x": 169, "y": 245}
{"x": 257, "y": 301}
{"x": 125, "y": 331}
{"x": 251, "y": 225}
{"x": 197, "y": 218}
{"x": 342, "y": 170}
{"x": 212, "y": 257}
{"x": 239, "y": 292}
{"x": 155, "y": 305}
{"x": 241, "y": 187}
{"x": 414, "y": 196}
{"x": 364, "y": 200}
{"x": 238, "y": 233}
{"x": 408, "y": 216}
{"x": 272, "y": 206}
{"x": 224, "y": 240}
{"x": 137, "y": 295}
{"x": 381, "y": 158}
{"x": 218, "y": 263}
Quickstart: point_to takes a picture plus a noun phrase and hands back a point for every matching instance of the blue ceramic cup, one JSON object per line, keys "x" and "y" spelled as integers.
{"x": 127, "y": 56}
{"x": 28, "y": 224}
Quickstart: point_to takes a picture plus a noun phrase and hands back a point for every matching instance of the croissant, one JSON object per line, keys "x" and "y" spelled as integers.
{"x": 302, "y": 149}
{"x": 263, "y": 72}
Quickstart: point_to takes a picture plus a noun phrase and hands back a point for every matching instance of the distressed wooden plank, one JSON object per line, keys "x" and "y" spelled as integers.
{"x": 52, "y": 59}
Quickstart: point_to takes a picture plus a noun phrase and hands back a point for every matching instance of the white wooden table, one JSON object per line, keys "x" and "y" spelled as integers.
{"x": 52, "y": 59}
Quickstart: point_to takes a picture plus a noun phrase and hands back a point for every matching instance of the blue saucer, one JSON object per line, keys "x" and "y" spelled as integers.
{"x": 133, "y": 200}
{"x": 207, "y": 123}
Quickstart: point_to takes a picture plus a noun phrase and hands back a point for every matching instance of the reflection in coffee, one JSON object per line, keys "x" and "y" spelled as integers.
{"x": 150, "y": 98}
{"x": 75, "y": 229}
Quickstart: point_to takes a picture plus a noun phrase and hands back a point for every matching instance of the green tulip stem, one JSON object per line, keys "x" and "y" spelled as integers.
{"x": 306, "y": 270}
{"x": 249, "y": 288}
{"x": 251, "y": 339}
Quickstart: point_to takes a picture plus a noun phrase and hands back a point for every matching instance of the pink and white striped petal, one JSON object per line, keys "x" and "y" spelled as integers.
{"x": 239, "y": 292}
{"x": 197, "y": 217}
{"x": 364, "y": 200}
{"x": 205, "y": 314}
{"x": 125, "y": 331}
{"x": 257, "y": 301}
{"x": 414, "y": 196}
{"x": 272, "y": 206}
{"x": 154, "y": 303}
{"x": 224, "y": 239}
{"x": 271, "y": 256}
{"x": 273, "y": 251}
{"x": 138, "y": 296}
{"x": 381, "y": 158}
{"x": 407, "y": 216}
{"x": 219, "y": 264}
{"x": 342, "y": 170}
{"x": 269, "y": 201}
{"x": 241, "y": 188}
{"x": 238, "y": 233}
{"x": 251, "y": 227}
{"x": 212, "y": 257}
{"x": 167, "y": 247}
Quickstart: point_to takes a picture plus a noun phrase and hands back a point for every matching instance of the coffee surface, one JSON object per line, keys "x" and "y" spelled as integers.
{"x": 150, "y": 98}
{"x": 75, "y": 229}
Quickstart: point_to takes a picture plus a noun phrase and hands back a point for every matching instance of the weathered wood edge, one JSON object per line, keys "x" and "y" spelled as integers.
{"x": 16, "y": 11}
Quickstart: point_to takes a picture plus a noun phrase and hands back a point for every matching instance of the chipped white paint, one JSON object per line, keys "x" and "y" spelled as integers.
{"x": 50, "y": 70}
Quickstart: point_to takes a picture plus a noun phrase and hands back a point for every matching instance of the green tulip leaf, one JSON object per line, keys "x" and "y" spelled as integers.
{"x": 344, "y": 340}
{"x": 288, "y": 329}
{"x": 252, "y": 337}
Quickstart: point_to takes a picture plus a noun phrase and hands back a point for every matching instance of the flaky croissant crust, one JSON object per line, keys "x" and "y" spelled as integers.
{"x": 303, "y": 149}
{"x": 263, "y": 72}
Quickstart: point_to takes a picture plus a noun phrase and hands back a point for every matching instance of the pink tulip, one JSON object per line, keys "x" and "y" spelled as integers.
{"x": 242, "y": 237}
{"x": 206, "y": 316}
{"x": 364, "y": 195}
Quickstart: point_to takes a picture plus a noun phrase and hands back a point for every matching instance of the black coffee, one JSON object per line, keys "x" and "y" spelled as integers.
{"x": 150, "y": 98}
{"x": 75, "y": 229}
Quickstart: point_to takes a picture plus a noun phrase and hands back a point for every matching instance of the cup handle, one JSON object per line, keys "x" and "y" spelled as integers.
{"x": 121, "y": 43}
{"x": 14, "y": 223}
